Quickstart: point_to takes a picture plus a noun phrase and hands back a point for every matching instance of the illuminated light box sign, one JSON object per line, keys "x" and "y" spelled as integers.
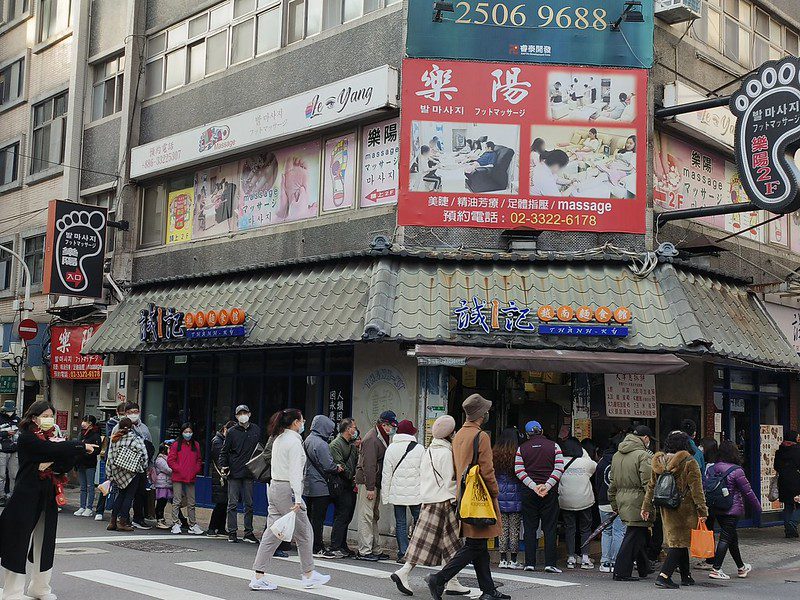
{"x": 159, "y": 324}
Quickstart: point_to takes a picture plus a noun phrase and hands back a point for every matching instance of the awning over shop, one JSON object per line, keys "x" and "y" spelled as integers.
{"x": 564, "y": 361}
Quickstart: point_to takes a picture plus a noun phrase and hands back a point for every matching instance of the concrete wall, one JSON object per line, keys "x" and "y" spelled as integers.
{"x": 101, "y": 152}
{"x": 107, "y": 25}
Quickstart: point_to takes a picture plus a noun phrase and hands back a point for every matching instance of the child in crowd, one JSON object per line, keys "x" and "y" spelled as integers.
{"x": 510, "y": 498}
{"x": 161, "y": 476}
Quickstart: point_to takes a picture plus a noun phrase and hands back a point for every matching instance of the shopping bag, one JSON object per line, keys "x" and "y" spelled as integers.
{"x": 702, "y": 541}
{"x": 283, "y": 528}
{"x": 476, "y": 507}
{"x": 773, "y": 494}
{"x": 105, "y": 487}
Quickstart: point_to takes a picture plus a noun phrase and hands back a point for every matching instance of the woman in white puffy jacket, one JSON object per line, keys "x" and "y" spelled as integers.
{"x": 400, "y": 480}
{"x": 576, "y": 498}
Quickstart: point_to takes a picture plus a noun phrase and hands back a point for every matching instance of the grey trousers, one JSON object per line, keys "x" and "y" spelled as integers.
{"x": 10, "y": 461}
{"x": 181, "y": 492}
{"x": 243, "y": 488}
{"x": 281, "y": 501}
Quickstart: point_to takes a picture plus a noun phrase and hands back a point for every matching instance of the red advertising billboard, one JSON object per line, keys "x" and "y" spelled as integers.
{"x": 66, "y": 359}
{"x": 513, "y": 146}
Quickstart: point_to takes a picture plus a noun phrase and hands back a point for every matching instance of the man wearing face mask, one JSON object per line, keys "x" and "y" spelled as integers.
{"x": 134, "y": 413}
{"x": 9, "y": 463}
{"x": 345, "y": 455}
{"x": 368, "y": 479}
{"x": 240, "y": 443}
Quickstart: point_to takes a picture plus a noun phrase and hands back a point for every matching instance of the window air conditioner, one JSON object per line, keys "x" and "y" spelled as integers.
{"x": 117, "y": 386}
{"x": 678, "y": 11}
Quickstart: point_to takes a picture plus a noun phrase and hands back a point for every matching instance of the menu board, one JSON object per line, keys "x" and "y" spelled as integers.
{"x": 771, "y": 438}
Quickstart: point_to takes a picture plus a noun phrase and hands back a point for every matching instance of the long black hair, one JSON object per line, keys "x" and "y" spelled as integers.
{"x": 505, "y": 450}
{"x": 677, "y": 441}
{"x": 192, "y": 443}
{"x": 282, "y": 420}
{"x": 623, "y": 150}
{"x": 34, "y": 410}
{"x": 729, "y": 452}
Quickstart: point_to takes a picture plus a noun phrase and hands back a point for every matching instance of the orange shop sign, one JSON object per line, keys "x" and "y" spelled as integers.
{"x": 157, "y": 324}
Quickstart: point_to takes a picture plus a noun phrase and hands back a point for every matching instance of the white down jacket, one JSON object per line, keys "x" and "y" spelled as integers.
{"x": 575, "y": 488}
{"x": 400, "y": 482}
{"x": 437, "y": 473}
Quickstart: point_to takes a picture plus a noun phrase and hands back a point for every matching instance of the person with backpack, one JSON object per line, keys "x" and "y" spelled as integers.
{"x": 727, "y": 488}
{"x": 319, "y": 467}
{"x": 576, "y": 499}
{"x": 186, "y": 463}
{"x": 613, "y": 534}
{"x": 676, "y": 489}
{"x": 510, "y": 498}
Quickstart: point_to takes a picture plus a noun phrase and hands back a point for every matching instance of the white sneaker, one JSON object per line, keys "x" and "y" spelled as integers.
{"x": 262, "y": 585}
{"x": 98, "y": 517}
{"x": 315, "y": 580}
{"x": 571, "y": 562}
{"x": 176, "y": 529}
{"x": 196, "y": 530}
{"x": 605, "y": 568}
{"x": 79, "y": 512}
{"x": 88, "y": 512}
{"x": 587, "y": 564}
{"x": 745, "y": 570}
{"x": 503, "y": 564}
{"x": 515, "y": 565}
{"x": 555, "y": 570}
{"x": 455, "y": 588}
{"x": 530, "y": 568}
{"x": 718, "y": 574}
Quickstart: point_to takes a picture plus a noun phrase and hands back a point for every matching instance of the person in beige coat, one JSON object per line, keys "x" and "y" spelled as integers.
{"x": 475, "y": 549}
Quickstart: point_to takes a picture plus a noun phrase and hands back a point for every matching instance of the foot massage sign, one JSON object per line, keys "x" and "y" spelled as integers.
{"x": 515, "y": 146}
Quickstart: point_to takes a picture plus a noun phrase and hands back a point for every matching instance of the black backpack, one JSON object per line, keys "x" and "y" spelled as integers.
{"x": 718, "y": 496}
{"x": 666, "y": 493}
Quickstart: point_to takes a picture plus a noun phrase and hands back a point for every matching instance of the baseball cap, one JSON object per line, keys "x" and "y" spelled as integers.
{"x": 533, "y": 427}
{"x": 643, "y": 430}
{"x": 242, "y": 408}
{"x": 388, "y": 416}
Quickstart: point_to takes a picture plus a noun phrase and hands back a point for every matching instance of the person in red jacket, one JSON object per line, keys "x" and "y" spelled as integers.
{"x": 186, "y": 463}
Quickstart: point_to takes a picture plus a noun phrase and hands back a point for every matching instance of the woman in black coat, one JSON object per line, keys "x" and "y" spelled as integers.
{"x": 87, "y": 465}
{"x": 219, "y": 485}
{"x": 32, "y": 511}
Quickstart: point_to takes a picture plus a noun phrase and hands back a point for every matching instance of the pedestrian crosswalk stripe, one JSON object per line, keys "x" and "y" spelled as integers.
{"x": 519, "y": 578}
{"x": 142, "y": 586}
{"x": 342, "y": 566}
{"x": 282, "y": 582}
{"x": 128, "y": 538}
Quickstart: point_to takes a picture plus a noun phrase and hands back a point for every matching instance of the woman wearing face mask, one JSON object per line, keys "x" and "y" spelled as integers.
{"x": 186, "y": 463}
{"x": 125, "y": 466}
{"x": 285, "y": 495}
{"x": 87, "y": 465}
{"x": 30, "y": 519}
{"x": 219, "y": 484}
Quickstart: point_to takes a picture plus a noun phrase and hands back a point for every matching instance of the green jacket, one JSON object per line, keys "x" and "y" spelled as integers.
{"x": 346, "y": 455}
{"x": 631, "y": 468}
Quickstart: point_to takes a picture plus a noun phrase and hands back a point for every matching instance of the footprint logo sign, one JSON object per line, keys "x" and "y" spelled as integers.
{"x": 767, "y": 107}
{"x": 75, "y": 249}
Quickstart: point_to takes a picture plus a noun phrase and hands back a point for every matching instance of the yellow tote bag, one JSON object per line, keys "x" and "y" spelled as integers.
{"x": 476, "y": 506}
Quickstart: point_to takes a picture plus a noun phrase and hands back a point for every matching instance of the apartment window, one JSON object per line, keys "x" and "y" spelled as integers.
{"x": 268, "y": 30}
{"x": 107, "y": 90}
{"x": 12, "y": 9}
{"x": 54, "y": 17}
{"x": 34, "y": 257}
{"x": 49, "y": 133}
{"x": 105, "y": 200}
{"x": 153, "y": 210}
{"x": 12, "y": 78}
{"x": 242, "y": 41}
{"x": 9, "y": 164}
{"x": 6, "y": 268}
{"x": 176, "y": 69}
{"x": 792, "y": 43}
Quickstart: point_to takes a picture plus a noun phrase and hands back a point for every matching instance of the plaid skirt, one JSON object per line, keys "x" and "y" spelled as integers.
{"x": 436, "y": 535}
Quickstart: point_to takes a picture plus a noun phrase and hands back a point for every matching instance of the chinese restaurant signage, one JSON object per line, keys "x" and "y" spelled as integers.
{"x": 631, "y": 396}
{"x": 554, "y": 31}
{"x": 767, "y": 107}
{"x": 157, "y": 324}
{"x": 507, "y": 146}
{"x": 334, "y": 103}
{"x": 67, "y": 360}
{"x": 509, "y": 317}
{"x": 75, "y": 249}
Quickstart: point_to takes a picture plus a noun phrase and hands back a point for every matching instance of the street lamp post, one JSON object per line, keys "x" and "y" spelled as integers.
{"x": 26, "y": 307}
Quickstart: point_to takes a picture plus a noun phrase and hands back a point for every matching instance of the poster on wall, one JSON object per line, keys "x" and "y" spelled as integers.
{"x": 215, "y": 192}
{"x": 66, "y": 358}
{"x": 779, "y": 231}
{"x": 280, "y": 186}
{"x": 339, "y": 170}
{"x": 630, "y": 396}
{"x": 380, "y": 158}
{"x": 180, "y": 204}
{"x": 771, "y": 438}
{"x": 741, "y": 223}
{"x": 481, "y": 148}
{"x": 557, "y": 31}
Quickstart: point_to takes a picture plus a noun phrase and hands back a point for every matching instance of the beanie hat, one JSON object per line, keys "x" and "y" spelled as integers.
{"x": 476, "y": 406}
{"x": 407, "y": 427}
{"x": 443, "y": 427}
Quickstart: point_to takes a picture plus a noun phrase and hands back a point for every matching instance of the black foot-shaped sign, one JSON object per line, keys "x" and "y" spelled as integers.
{"x": 767, "y": 107}
{"x": 80, "y": 237}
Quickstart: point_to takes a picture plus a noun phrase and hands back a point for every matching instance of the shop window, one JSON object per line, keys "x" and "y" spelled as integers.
{"x": 49, "y": 133}
{"x": 308, "y": 360}
{"x": 9, "y": 165}
{"x": 107, "y": 87}
{"x": 279, "y": 361}
{"x": 769, "y": 411}
{"x": 155, "y": 364}
{"x": 742, "y": 380}
{"x": 175, "y": 414}
{"x": 251, "y": 362}
{"x": 305, "y": 393}
{"x": 226, "y": 363}
{"x": 34, "y": 257}
{"x": 12, "y": 82}
{"x": 276, "y": 395}
{"x": 248, "y": 391}
{"x": 197, "y": 404}
{"x": 154, "y": 407}
{"x": 339, "y": 358}
{"x": 54, "y": 18}
{"x": 222, "y": 402}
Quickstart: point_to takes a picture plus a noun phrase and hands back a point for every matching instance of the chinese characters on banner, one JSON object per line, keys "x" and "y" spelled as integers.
{"x": 519, "y": 146}
{"x": 67, "y": 362}
{"x": 336, "y": 405}
{"x": 631, "y": 396}
{"x": 179, "y": 215}
{"x": 339, "y": 167}
{"x": 771, "y": 438}
{"x": 380, "y": 157}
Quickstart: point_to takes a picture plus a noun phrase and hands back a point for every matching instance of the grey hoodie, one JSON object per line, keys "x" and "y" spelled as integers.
{"x": 319, "y": 457}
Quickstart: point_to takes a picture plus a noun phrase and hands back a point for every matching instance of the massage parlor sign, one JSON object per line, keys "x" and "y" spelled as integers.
{"x": 478, "y": 316}
{"x": 159, "y": 324}
{"x": 468, "y": 128}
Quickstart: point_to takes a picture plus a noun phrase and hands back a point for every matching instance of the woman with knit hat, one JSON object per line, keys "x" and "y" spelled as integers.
{"x": 436, "y": 538}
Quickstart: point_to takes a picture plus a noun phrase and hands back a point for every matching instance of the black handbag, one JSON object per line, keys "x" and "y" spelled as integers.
{"x": 258, "y": 465}
{"x": 334, "y": 481}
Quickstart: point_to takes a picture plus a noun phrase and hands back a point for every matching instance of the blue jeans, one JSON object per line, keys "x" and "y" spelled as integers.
{"x": 401, "y": 521}
{"x": 612, "y": 538}
{"x": 86, "y": 479}
{"x": 791, "y": 516}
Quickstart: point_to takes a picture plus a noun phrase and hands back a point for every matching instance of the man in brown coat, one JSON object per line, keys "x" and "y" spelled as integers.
{"x": 475, "y": 549}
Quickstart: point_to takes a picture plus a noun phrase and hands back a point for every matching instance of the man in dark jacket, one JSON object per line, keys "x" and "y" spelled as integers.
{"x": 9, "y": 463}
{"x": 631, "y": 468}
{"x": 240, "y": 443}
{"x": 319, "y": 465}
{"x": 345, "y": 455}
{"x": 368, "y": 479}
{"x": 787, "y": 465}
{"x": 219, "y": 485}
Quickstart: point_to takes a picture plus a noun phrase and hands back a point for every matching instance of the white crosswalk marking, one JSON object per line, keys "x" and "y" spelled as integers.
{"x": 128, "y": 538}
{"x": 342, "y": 566}
{"x": 520, "y": 578}
{"x": 142, "y": 586}
{"x": 283, "y": 582}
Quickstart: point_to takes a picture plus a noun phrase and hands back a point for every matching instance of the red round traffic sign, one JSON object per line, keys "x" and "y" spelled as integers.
{"x": 28, "y": 329}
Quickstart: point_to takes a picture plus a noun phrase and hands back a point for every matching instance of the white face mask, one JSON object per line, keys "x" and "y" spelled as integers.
{"x": 134, "y": 418}
{"x": 243, "y": 419}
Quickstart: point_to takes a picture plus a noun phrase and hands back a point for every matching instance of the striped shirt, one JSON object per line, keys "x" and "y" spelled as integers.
{"x": 555, "y": 476}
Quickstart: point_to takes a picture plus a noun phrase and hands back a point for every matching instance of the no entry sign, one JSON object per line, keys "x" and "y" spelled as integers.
{"x": 28, "y": 329}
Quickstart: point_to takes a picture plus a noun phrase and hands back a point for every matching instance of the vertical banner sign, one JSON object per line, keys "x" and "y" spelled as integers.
{"x": 380, "y": 157}
{"x": 66, "y": 346}
{"x": 551, "y": 31}
{"x": 75, "y": 249}
{"x": 510, "y": 146}
{"x": 767, "y": 107}
{"x": 179, "y": 215}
